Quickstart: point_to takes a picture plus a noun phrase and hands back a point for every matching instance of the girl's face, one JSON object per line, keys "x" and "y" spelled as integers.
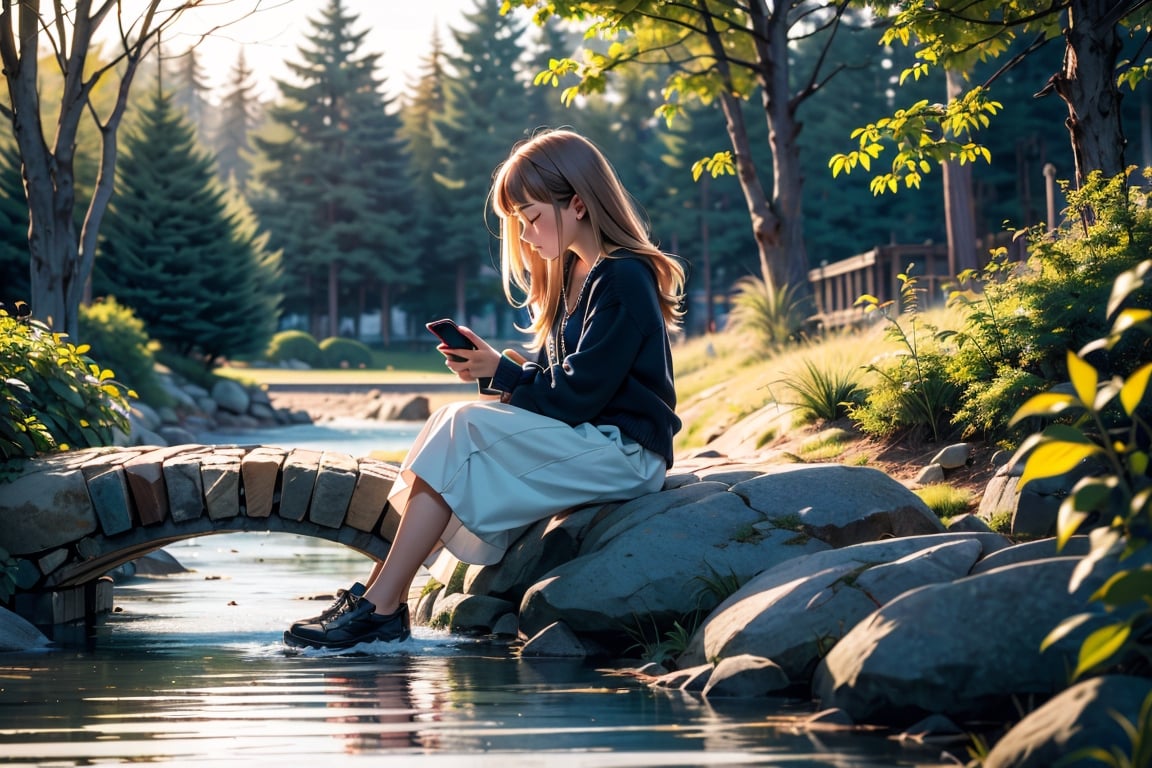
{"x": 548, "y": 235}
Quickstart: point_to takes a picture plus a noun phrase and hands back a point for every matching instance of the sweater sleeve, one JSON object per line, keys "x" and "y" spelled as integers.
{"x": 621, "y": 303}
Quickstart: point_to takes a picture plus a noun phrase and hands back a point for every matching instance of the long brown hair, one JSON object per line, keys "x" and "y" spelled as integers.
{"x": 554, "y": 166}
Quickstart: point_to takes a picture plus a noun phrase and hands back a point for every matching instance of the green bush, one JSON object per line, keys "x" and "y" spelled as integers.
{"x": 52, "y": 396}
{"x": 295, "y": 345}
{"x": 345, "y": 353}
{"x": 118, "y": 340}
{"x": 1021, "y": 318}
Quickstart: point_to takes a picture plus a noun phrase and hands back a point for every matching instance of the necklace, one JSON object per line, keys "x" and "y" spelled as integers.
{"x": 557, "y": 349}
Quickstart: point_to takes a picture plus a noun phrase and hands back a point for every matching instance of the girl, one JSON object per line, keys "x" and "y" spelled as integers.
{"x": 591, "y": 420}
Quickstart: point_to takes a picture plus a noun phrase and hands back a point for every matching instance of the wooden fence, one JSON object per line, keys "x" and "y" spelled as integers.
{"x": 837, "y": 286}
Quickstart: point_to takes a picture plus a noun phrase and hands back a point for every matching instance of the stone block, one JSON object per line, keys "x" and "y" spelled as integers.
{"x": 145, "y": 475}
{"x": 108, "y": 488}
{"x": 298, "y": 481}
{"x": 68, "y": 605}
{"x": 50, "y": 562}
{"x": 185, "y": 489}
{"x": 260, "y": 475}
{"x": 335, "y": 482}
{"x": 389, "y": 524}
{"x": 370, "y": 496}
{"x": 45, "y": 507}
{"x": 220, "y": 476}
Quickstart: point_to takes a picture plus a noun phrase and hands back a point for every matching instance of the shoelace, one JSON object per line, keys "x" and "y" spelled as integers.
{"x": 349, "y": 603}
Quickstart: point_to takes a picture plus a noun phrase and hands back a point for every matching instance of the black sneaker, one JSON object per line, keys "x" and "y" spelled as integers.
{"x": 344, "y": 599}
{"x": 359, "y": 623}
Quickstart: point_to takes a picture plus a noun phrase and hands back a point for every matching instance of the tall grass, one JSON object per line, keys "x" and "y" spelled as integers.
{"x": 823, "y": 393}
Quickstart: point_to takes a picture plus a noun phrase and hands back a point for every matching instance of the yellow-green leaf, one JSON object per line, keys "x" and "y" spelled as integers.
{"x": 1043, "y": 404}
{"x": 1128, "y": 586}
{"x": 1084, "y": 378}
{"x": 1126, "y": 283}
{"x": 1055, "y": 458}
{"x": 1102, "y": 645}
{"x": 1064, "y": 628}
{"x": 1134, "y": 388}
{"x": 1130, "y": 317}
{"x": 1067, "y": 522}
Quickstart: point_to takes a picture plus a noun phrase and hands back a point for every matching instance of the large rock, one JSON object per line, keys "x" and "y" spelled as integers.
{"x": 18, "y": 634}
{"x": 655, "y": 568}
{"x": 231, "y": 396}
{"x": 1041, "y": 549}
{"x": 962, "y": 649}
{"x": 544, "y": 546}
{"x": 795, "y": 612}
{"x": 837, "y": 504}
{"x": 1035, "y": 506}
{"x": 47, "y": 505}
{"x": 1084, "y": 716}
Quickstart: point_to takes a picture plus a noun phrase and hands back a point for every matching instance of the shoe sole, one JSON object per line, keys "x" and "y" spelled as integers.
{"x": 294, "y": 641}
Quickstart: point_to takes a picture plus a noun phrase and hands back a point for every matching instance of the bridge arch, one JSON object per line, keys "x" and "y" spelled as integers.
{"x": 70, "y": 518}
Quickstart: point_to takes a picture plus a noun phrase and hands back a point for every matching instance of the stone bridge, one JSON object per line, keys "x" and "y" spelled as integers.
{"x": 69, "y": 518}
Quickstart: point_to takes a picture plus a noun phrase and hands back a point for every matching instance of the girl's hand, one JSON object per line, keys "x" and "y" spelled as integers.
{"x": 476, "y": 363}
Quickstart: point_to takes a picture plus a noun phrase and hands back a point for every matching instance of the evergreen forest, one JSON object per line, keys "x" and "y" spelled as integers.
{"x": 343, "y": 210}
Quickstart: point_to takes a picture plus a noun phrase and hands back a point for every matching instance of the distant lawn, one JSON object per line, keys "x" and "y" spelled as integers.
{"x": 391, "y": 366}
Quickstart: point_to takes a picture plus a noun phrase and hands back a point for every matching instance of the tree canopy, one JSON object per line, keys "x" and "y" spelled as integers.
{"x": 959, "y": 34}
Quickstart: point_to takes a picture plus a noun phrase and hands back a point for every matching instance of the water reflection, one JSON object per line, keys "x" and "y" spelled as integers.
{"x": 192, "y": 672}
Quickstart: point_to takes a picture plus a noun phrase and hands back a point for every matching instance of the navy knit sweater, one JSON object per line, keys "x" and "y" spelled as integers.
{"x": 617, "y": 363}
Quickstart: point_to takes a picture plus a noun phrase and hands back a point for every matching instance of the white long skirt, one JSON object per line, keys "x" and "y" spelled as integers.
{"x": 501, "y": 468}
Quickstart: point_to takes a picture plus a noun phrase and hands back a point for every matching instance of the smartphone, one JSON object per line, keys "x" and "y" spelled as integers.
{"x": 447, "y": 331}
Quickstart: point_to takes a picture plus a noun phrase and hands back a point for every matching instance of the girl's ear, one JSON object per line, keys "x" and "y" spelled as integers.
{"x": 578, "y": 207}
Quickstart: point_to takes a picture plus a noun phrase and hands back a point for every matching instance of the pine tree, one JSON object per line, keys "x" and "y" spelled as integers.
{"x": 239, "y": 113}
{"x": 181, "y": 254}
{"x": 424, "y": 108}
{"x": 184, "y": 78}
{"x": 335, "y": 188}
{"x": 486, "y": 112}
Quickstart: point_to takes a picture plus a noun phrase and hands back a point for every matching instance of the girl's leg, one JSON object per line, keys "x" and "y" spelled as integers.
{"x": 422, "y": 522}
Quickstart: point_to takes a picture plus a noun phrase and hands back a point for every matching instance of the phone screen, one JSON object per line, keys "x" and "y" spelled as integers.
{"x": 447, "y": 332}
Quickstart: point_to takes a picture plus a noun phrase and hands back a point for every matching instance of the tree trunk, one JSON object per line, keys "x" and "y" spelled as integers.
{"x": 334, "y": 299}
{"x": 959, "y": 218}
{"x": 386, "y": 313}
{"x": 1087, "y": 84}
{"x": 461, "y": 292}
{"x": 61, "y": 261}
{"x": 789, "y": 249}
{"x": 764, "y": 222}
{"x": 706, "y": 255}
{"x": 777, "y": 225}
